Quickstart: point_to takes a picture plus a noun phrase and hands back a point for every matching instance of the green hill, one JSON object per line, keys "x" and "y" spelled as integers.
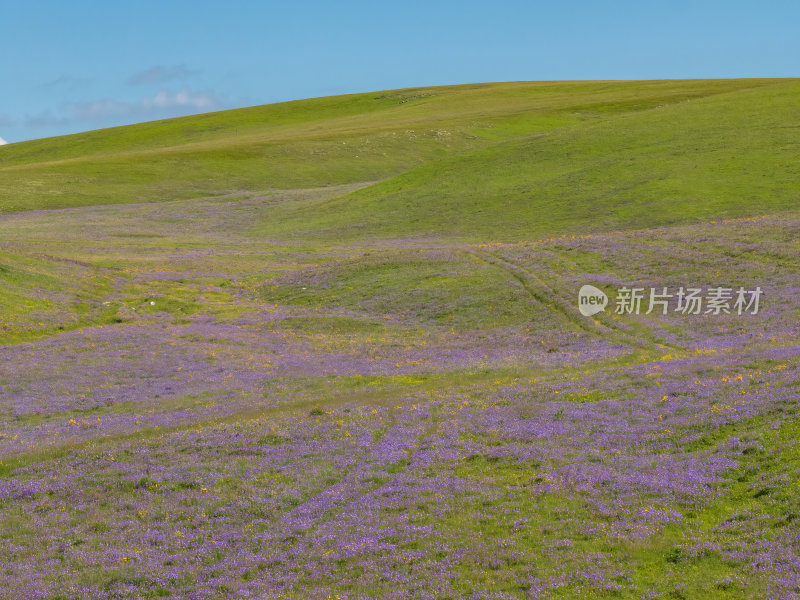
{"x": 332, "y": 348}
{"x": 485, "y": 161}
{"x": 723, "y": 156}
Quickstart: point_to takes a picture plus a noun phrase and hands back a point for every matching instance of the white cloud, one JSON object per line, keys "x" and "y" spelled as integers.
{"x": 2, "y": 142}
{"x": 162, "y": 104}
{"x": 184, "y": 98}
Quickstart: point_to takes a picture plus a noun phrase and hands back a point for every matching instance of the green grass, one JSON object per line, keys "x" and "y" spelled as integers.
{"x": 724, "y": 156}
{"x": 438, "y": 288}
{"x": 280, "y": 243}
{"x": 455, "y": 155}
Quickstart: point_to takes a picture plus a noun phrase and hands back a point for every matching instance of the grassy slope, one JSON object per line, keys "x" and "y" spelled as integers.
{"x": 611, "y": 156}
{"x": 480, "y": 162}
{"x": 728, "y": 155}
{"x": 327, "y": 141}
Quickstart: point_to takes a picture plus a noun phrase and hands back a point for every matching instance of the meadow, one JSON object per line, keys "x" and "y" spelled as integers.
{"x": 331, "y": 349}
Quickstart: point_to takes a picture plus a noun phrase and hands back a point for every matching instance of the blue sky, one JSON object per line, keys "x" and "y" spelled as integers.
{"x": 74, "y": 66}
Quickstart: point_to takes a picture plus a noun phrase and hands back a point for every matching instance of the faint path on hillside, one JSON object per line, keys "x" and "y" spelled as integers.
{"x": 547, "y": 296}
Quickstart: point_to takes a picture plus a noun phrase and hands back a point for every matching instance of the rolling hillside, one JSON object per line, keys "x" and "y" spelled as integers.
{"x": 491, "y": 161}
{"x": 331, "y": 349}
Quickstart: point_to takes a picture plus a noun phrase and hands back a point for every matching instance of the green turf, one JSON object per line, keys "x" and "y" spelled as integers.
{"x": 312, "y": 259}
{"x": 724, "y": 156}
{"x": 550, "y": 155}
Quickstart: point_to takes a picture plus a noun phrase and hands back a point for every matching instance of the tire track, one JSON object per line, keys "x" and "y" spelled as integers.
{"x": 542, "y": 293}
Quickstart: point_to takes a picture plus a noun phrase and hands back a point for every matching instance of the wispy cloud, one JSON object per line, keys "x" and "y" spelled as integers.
{"x": 66, "y": 81}
{"x": 162, "y": 104}
{"x": 44, "y": 119}
{"x": 161, "y": 74}
{"x": 184, "y": 98}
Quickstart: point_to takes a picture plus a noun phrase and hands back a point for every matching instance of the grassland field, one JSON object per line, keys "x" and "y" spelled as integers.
{"x": 330, "y": 349}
